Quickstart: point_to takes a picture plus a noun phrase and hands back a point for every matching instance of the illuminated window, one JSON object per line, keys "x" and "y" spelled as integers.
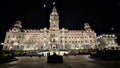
{"x": 22, "y": 46}
{"x": 17, "y": 47}
{"x": 7, "y": 41}
{"x": 13, "y": 36}
{"x": 28, "y": 46}
{"x": 61, "y": 41}
{"x": 8, "y": 36}
{"x": 5, "y": 47}
{"x": 18, "y": 41}
{"x": 60, "y": 31}
{"x": 19, "y": 36}
{"x": 12, "y": 42}
{"x": 90, "y": 40}
{"x": 54, "y": 26}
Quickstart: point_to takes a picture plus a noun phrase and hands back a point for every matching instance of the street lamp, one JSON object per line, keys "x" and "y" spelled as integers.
{"x": 1, "y": 46}
{"x": 2, "y": 43}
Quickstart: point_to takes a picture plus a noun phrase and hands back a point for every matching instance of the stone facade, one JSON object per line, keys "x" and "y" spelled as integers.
{"x": 107, "y": 40}
{"x": 53, "y": 38}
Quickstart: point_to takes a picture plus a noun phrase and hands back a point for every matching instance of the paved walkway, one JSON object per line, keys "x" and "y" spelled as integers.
{"x": 81, "y": 61}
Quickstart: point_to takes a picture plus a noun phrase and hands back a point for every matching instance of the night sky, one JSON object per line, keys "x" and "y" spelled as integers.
{"x": 102, "y": 15}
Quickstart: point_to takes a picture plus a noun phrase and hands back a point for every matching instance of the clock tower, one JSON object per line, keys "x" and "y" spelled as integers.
{"x": 54, "y": 29}
{"x": 54, "y": 20}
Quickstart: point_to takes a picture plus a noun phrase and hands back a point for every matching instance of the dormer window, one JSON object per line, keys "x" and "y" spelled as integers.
{"x": 15, "y": 29}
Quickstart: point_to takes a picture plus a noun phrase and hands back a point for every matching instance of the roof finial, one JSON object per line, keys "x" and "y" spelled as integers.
{"x": 18, "y": 24}
{"x": 54, "y": 9}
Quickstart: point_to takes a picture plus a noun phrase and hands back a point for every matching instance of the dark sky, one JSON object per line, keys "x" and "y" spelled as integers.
{"x": 102, "y": 15}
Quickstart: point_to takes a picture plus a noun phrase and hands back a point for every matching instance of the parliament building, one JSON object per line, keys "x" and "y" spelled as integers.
{"x": 52, "y": 39}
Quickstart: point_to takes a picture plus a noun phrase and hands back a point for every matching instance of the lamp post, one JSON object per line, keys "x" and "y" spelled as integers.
{"x": 1, "y": 45}
{"x": 49, "y": 45}
{"x": 36, "y": 44}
